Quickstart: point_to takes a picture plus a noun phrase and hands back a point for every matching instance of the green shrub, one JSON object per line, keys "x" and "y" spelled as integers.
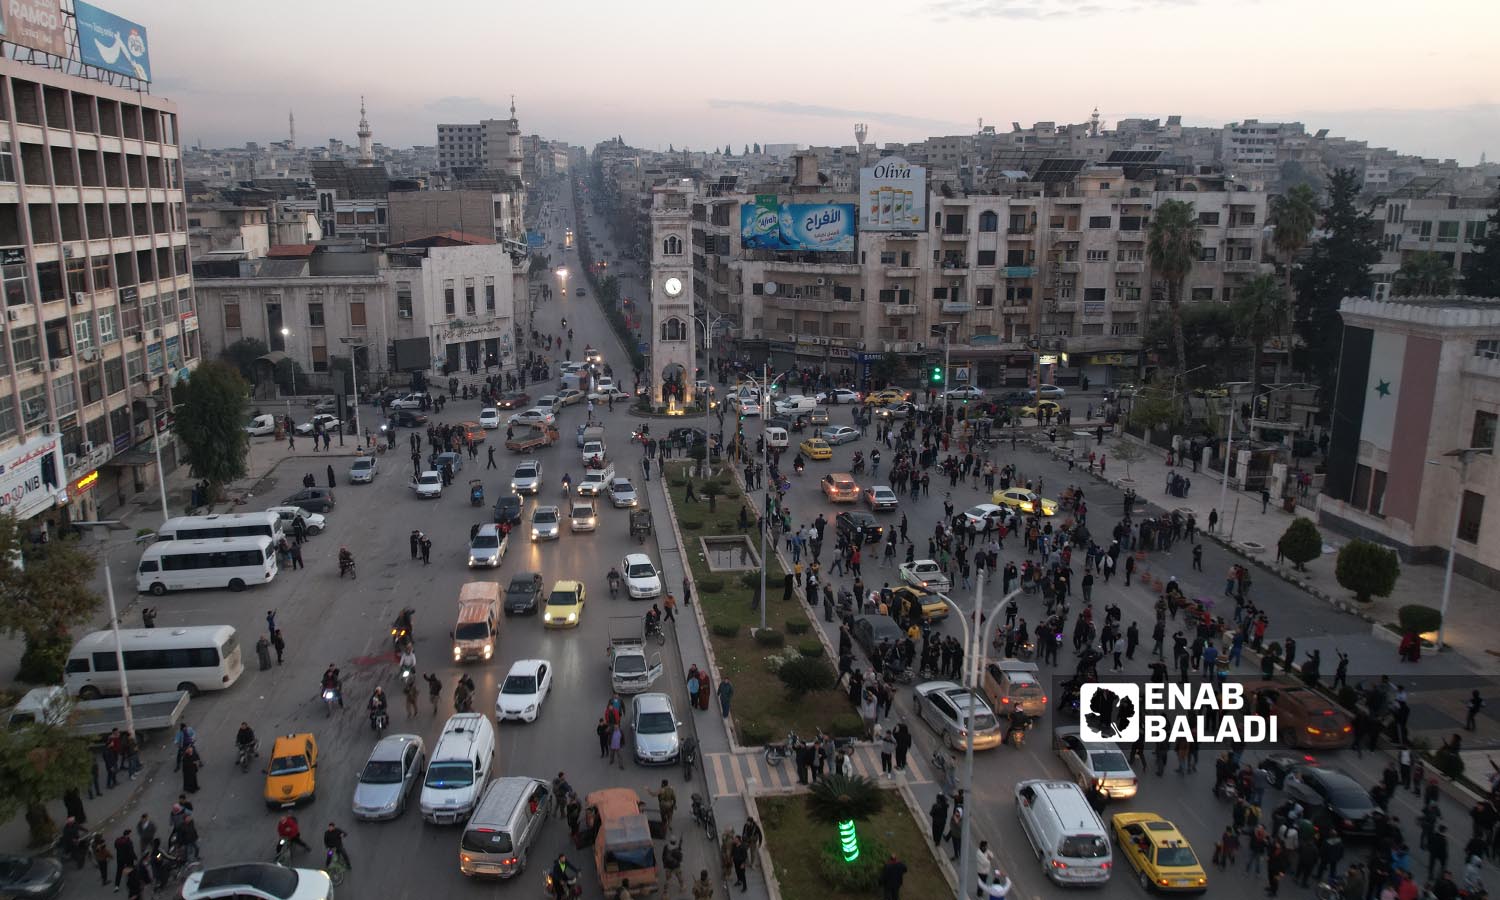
{"x": 859, "y": 878}
{"x": 797, "y": 627}
{"x": 847, "y": 725}
{"x": 42, "y": 661}
{"x": 750, "y": 580}
{"x": 1419, "y": 618}
{"x": 770, "y": 637}
{"x": 726, "y": 629}
{"x": 803, "y": 676}
{"x": 710, "y": 585}
{"x": 1301, "y": 542}
{"x": 752, "y": 733}
{"x": 1367, "y": 569}
{"x": 812, "y": 649}
{"x": 692, "y": 524}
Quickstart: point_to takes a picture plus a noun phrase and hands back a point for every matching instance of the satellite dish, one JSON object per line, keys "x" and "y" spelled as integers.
{"x": 771, "y": 288}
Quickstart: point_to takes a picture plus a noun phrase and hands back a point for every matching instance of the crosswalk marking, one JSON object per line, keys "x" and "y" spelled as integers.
{"x": 735, "y": 774}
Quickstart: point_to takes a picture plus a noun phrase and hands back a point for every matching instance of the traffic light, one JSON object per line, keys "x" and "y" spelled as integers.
{"x": 937, "y": 374}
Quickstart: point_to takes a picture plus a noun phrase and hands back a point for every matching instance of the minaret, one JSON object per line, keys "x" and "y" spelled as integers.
{"x": 291, "y": 128}
{"x": 366, "y": 146}
{"x": 513, "y": 157}
{"x": 1094, "y": 123}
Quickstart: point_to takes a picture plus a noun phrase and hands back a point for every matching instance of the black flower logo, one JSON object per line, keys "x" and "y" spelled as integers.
{"x": 1109, "y": 713}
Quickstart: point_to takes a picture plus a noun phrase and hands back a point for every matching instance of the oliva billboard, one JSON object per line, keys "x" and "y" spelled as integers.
{"x": 893, "y": 196}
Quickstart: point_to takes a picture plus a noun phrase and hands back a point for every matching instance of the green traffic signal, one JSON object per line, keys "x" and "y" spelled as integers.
{"x": 937, "y": 374}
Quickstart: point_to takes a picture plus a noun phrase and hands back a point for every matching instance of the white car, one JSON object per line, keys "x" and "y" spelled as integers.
{"x": 551, "y": 402}
{"x": 489, "y": 417}
{"x": 535, "y": 416}
{"x": 330, "y": 423}
{"x": 840, "y": 434}
{"x": 749, "y": 408}
{"x": 583, "y": 516}
{"x": 527, "y": 478}
{"x": 984, "y": 513}
{"x": 315, "y": 522}
{"x": 593, "y": 454}
{"x": 1050, "y": 392}
{"x": 925, "y": 574}
{"x": 257, "y": 881}
{"x": 569, "y": 396}
{"x": 964, "y": 393}
{"x": 362, "y": 470}
{"x": 622, "y": 493}
{"x": 881, "y": 497}
{"x": 428, "y": 485}
{"x": 410, "y": 401}
{"x": 605, "y": 383}
{"x": 839, "y": 395}
{"x": 546, "y": 523}
{"x": 595, "y": 481}
{"x": 523, "y": 690}
{"x": 603, "y": 394}
{"x": 642, "y": 580}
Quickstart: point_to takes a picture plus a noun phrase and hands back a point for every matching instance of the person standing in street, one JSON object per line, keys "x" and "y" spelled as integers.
{"x": 891, "y": 876}
{"x": 279, "y": 643}
{"x": 616, "y": 740}
{"x": 740, "y": 856}
{"x": 939, "y": 814}
{"x": 330, "y": 477}
{"x": 1472, "y": 708}
{"x": 263, "y": 652}
{"x": 191, "y": 763}
{"x": 726, "y": 694}
{"x": 124, "y": 856}
{"x": 666, "y": 800}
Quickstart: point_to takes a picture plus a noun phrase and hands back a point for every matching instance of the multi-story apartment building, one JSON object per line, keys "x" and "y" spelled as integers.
{"x": 489, "y": 144}
{"x": 1055, "y": 271}
{"x": 460, "y": 146}
{"x": 224, "y": 227}
{"x": 1424, "y": 217}
{"x": 100, "y": 316}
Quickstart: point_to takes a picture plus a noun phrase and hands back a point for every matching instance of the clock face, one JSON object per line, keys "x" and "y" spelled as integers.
{"x": 673, "y": 286}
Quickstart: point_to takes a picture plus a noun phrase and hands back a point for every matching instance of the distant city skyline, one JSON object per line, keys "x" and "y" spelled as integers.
{"x": 660, "y": 74}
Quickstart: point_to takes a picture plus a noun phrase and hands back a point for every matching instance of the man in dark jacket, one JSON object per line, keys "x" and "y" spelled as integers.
{"x": 891, "y": 877}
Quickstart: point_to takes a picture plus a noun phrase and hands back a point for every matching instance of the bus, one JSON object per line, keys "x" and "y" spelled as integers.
{"x": 235, "y": 563}
{"x": 192, "y": 659}
{"x": 192, "y": 528}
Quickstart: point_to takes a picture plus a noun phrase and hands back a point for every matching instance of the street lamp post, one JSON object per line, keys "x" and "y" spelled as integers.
{"x": 105, "y": 526}
{"x": 1464, "y": 456}
{"x": 354, "y": 346}
{"x": 763, "y": 389}
{"x": 1229, "y": 439}
{"x": 161, "y": 475}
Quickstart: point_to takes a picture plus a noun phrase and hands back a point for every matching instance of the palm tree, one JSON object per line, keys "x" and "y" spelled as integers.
{"x": 1424, "y": 275}
{"x": 1173, "y": 247}
{"x": 1259, "y": 310}
{"x": 843, "y": 800}
{"x": 1293, "y": 217}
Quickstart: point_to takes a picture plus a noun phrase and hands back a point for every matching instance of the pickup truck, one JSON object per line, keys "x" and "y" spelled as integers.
{"x": 596, "y": 481}
{"x": 531, "y": 439}
{"x": 588, "y": 433}
{"x": 594, "y": 455}
{"x": 90, "y": 718}
{"x": 630, "y": 672}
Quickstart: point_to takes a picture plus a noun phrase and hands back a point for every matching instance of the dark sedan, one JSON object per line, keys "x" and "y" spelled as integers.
{"x": 508, "y": 509}
{"x": 313, "y": 499}
{"x": 514, "y": 400}
{"x": 406, "y": 418}
{"x": 522, "y": 592}
{"x": 859, "y": 528}
{"x": 29, "y": 876}
{"x": 1325, "y": 793}
{"x": 871, "y": 631}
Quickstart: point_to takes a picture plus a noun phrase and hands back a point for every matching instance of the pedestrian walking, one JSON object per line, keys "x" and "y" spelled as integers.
{"x": 426, "y": 550}
{"x": 726, "y": 693}
{"x": 297, "y": 557}
{"x": 263, "y": 652}
{"x": 124, "y": 856}
{"x": 740, "y": 855}
{"x": 1472, "y": 708}
{"x": 616, "y": 740}
{"x": 490, "y": 464}
{"x": 891, "y": 876}
{"x": 410, "y": 691}
{"x": 666, "y": 800}
{"x": 183, "y": 739}
{"x": 939, "y": 815}
{"x": 330, "y": 477}
{"x": 99, "y": 848}
{"x": 191, "y": 763}
{"x": 279, "y": 643}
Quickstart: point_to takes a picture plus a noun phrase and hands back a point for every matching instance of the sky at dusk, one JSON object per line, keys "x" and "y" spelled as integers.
{"x": 776, "y": 71}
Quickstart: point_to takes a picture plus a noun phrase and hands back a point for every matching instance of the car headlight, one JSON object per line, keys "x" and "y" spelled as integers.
{"x": 546, "y": 617}
{"x": 489, "y": 650}
{"x": 531, "y": 707}
{"x": 473, "y": 561}
{"x": 457, "y": 653}
{"x": 572, "y": 617}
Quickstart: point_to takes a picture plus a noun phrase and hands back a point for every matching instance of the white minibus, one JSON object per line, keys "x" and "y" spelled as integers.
{"x": 201, "y": 528}
{"x": 192, "y": 659}
{"x": 235, "y": 563}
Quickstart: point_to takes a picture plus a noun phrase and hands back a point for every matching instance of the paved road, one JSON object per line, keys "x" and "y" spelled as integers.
{"x": 347, "y": 623}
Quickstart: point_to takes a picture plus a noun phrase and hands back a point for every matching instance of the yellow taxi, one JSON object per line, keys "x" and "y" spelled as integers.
{"x": 932, "y": 606}
{"x": 816, "y": 448}
{"x": 840, "y": 487}
{"x": 885, "y": 396}
{"x": 292, "y": 774}
{"x": 1025, "y": 501}
{"x": 1035, "y": 410}
{"x": 1162, "y": 858}
{"x": 564, "y": 607}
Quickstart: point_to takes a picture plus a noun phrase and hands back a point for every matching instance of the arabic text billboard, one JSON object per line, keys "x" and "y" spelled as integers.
{"x": 769, "y": 224}
{"x": 37, "y": 24}
{"x": 110, "y": 42}
{"x": 893, "y": 196}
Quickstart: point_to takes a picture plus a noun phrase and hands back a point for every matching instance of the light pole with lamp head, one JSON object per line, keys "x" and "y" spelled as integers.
{"x": 709, "y": 321}
{"x": 355, "y": 345}
{"x": 763, "y": 389}
{"x": 105, "y": 526}
{"x": 1464, "y": 457}
{"x": 1229, "y": 439}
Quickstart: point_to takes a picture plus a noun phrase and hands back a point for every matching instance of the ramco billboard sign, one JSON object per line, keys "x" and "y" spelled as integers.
{"x": 37, "y": 24}
{"x": 110, "y": 42}
{"x": 893, "y": 196}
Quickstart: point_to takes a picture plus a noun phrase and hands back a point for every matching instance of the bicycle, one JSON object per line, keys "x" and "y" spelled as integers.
{"x": 335, "y": 867}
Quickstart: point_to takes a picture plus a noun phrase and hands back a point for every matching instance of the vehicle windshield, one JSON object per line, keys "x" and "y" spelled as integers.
{"x": 450, "y": 775}
{"x": 985, "y": 722}
{"x": 486, "y": 541}
{"x": 509, "y": 503}
{"x": 1084, "y": 846}
{"x": 630, "y": 665}
{"x": 429, "y": 479}
{"x": 519, "y": 684}
{"x": 1108, "y": 761}
{"x": 562, "y": 598}
{"x": 526, "y": 472}
{"x": 583, "y": 512}
{"x": 486, "y": 840}
{"x": 641, "y": 570}
{"x": 379, "y": 771}
{"x": 288, "y": 765}
{"x": 622, "y": 487}
{"x": 1345, "y": 794}
{"x": 521, "y": 588}
{"x": 1176, "y": 857}
{"x": 656, "y": 723}
{"x": 544, "y": 517}
{"x": 364, "y": 464}
{"x": 472, "y": 631}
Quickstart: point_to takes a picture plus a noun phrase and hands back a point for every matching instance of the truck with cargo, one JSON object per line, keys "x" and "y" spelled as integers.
{"x": 533, "y": 438}
{"x": 93, "y": 718}
{"x": 630, "y": 671}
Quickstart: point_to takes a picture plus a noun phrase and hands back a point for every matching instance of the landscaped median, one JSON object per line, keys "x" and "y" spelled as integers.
{"x": 764, "y": 708}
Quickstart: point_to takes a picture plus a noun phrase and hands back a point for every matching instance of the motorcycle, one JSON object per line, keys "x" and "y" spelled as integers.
{"x": 573, "y": 888}
{"x": 689, "y": 756}
{"x": 654, "y": 629}
{"x": 246, "y": 753}
{"x": 379, "y": 719}
{"x": 401, "y": 630}
{"x": 283, "y": 855}
{"x": 346, "y": 567}
{"x": 775, "y": 753}
{"x": 703, "y": 816}
{"x": 408, "y": 672}
{"x": 331, "y": 699}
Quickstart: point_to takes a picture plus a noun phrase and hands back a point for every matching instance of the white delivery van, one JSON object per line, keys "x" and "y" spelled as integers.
{"x": 458, "y": 769}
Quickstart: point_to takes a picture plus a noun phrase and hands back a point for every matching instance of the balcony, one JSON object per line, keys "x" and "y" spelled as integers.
{"x": 809, "y": 305}
{"x": 902, "y": 271}
{"x": 1020, "y": 234}
{"x": 1066, "y": 235}
{"x": 958, "y": 306}
{"x": 955, "y": 265}
{"x": 1071, "y": 266}
{"x": 1016, "y": 307}
{"x": 897, "y": 310}
{"x": 1132, "y": 237}
{"x": 956, "y": 235}
{"x": 902, "y": 235}
{"x": 1019, "y": 271}
{"x": 1249, "y": 266}
{"x": 1127, "y": 266}
{"x": 1243, "y": 233}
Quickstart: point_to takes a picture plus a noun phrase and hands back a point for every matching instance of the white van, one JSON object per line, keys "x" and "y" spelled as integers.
{"x": 458, "y": 769}
{"x": 796, "y": 405}
{"x": 1065, "y": 832}
{"x": 504, "y": 826}
{"x": 777, "y": 437}
{"x": 194, "y": 658}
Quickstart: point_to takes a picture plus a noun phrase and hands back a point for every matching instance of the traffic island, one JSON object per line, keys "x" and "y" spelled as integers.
{"x": 761, "y": 710}
{"x": 811, "y": 857}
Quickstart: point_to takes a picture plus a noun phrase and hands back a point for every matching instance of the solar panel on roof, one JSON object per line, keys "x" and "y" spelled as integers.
{"x": 1058, "y": 169}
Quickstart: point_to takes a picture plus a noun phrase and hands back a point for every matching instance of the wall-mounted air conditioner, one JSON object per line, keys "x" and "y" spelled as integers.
{"x": 403, "y": 314}
{"x": 88, "y": 354}
{"x": 79, "y": 297}
{"x": 822, "y": 281}
{"x": 71, "y": 459}
{"x": 56, "y": 364}
{"x": 86, "y": 448}
{"x": 13, "y": 315}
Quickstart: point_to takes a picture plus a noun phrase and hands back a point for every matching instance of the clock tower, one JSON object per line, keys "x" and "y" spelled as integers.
{"x": 672, "y": 346}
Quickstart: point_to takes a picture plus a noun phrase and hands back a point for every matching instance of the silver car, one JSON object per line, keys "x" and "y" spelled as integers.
{"x": 487, "y": 547}
{"x": 362, "y": 471}
{"x": 527, "y": 478}
{"x": 385, "y": 783}
{"x": 653, "y": 729}
{"x": 622, "y": 493}
{"x": 546, "y": 523}
{"x": 1098, "y": 766}
{"x": 951, "y": 708}
{"x": 840, "y": 434}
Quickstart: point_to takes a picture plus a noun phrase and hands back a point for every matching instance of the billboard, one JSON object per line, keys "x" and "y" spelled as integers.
{"x": 769, "y": 224}
{"x": 893, "y": 196}
{"x": 411, "y": 354}
{"x": 37, "y": 24}
{"x": 112, "y": 43}
{"x": 31, "y": 476}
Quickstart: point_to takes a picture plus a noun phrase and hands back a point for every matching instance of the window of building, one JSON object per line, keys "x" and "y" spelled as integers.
{"x": 114, "y": 375}
{"x": 24, "y": 346}
{"x": 403, "y": 299}
{"x": 15, "y": 278}
{"x": 1484, "y": 430}
{"x": 1474, "y": 232}
{"x": 1470, "y": 516}
{"x": 168, "y": 303}
{"x": 843, "y": 292}
{"x": 50, "y": 282}
{"x": 984, "y": 296}
{"x": 103, "y": 277}
{"x": 106, "y": 326}
{"x": 449, "y": 304}
{"x": 469, "y": 297}
{"x": 64, "y": 394}
{"x": 672, "y": 246}
{"x": 1130, "y": 223}
{"x": 1097, "y": 256}
{"x": 1208, "y": 254}
{"x": 150, "y": 314}
{"x": 1488, "y": 348}
{"x": 1017, "y": 224}
{"x": 319, "y": 358}
{"x": 1093, "y": 295}
{"x": 34, "y": 405}
{"x": 1426, "y": 229}
{"x": 1017, "y": 295}
{"x": 674, "y": 329}
{"x": 83, "y": 332}
{"x": 357, "y": 311}
{"x": 232, "y": 315}
{"x": 91, "y": 383}
{"x": 1447, "y": 232}
{"x": 315, "y": 315}
{"x": 489, "y": 293}
{"x": 7, "y": 163}
{"x": 7, "y": 416}
{"x": 1208, "y": 218}
{"x": 989, "y": 221}
{"x": 954, "y": 224}
{"x": 986, "y": 257}
{"x": 887, "y": 257}
{"x": 1202, "y": 294}
{"x": 1100, "y": 221}
{"x": 940, "y": 293}
{"x": 78, "y": 275}
{"x": 1123, "y": 328}
{"x": 135, "y": 364}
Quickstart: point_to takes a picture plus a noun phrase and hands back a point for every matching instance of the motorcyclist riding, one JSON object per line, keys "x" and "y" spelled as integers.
{"x": 288, "y": 830}
{"x": 331, "y": 683}
{"x": 567, "y": 483}
{"x": 1017, "y": 726}
{"x": 401, "y": 628}
{"x": 798, "y": 463}
{"x": 562, "y": 877}
{"x": 245, "y": 738}
{"x": 408, "y": 663}
{"x": 653, "y": 619}
{"x": 346, "y": 562}
{"x": 377, "y": 706}
{"x": 614, "y": 581}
